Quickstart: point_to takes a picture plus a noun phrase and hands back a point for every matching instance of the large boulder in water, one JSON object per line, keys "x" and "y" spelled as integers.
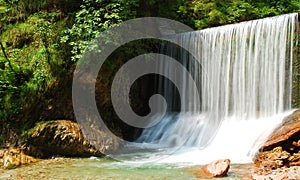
{"x": 282, "y": 148}
{"x": 60, "y": 137}
{"x": 218, "y": 168}
{"x": 286, "y": 135}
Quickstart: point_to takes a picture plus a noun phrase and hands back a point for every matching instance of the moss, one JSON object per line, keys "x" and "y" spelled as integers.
{"x": 18, "y": 30}
{"x": 3, "y": 9}
{"x": 11, "y": 166}
{"x": 40, "y": 126}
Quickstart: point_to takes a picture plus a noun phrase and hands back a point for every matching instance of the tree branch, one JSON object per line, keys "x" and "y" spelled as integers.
{"x": 6, "y": 57}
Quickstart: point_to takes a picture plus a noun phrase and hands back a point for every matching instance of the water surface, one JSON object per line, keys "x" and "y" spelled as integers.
{"x": 94, "y": 168}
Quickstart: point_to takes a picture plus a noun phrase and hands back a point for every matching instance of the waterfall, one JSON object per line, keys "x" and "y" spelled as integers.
{"x": 243, "y": 74}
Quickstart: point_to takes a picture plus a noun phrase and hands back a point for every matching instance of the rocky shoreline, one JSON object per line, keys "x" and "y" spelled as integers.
{"x": 278, "y": 158}
{"x": 12, "y": 158}
{"x": 49, "y": 139}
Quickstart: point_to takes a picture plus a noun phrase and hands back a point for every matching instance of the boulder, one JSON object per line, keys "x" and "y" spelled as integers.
{"x": 61, "y": 137}
{"x": 282, "y": 148}
{"x": 218, "y": 168}
{"x": 13, "y": 157}
{"x": 286, "y": 135}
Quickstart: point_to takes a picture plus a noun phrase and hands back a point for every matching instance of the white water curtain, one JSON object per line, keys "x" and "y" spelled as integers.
{"x": 242, "y": 70}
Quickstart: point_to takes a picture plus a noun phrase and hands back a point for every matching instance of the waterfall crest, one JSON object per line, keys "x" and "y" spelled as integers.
{"x": 243, "y": 73}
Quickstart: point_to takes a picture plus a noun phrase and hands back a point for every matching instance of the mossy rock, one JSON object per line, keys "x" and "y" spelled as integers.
{"x": 14, "y": 157}
{"x": 60, "y": 137}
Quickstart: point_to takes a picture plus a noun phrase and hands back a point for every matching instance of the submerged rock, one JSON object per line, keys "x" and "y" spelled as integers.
{"x": 218, "y": 168}
{"x": 60, "y": 137}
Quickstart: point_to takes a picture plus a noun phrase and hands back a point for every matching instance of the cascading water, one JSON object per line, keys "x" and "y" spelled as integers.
{"x": 243, "y": 73}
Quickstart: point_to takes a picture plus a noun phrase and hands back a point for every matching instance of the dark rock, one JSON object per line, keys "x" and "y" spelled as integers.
{"x": 218, "y": 168}
{"x": 9, "y": 138}
{"x": 60, "y": 137}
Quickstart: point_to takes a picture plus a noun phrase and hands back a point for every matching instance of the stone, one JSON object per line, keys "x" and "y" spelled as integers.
{"x": 287, "y": 135}
{"x": 295, "y": 159}
{"x": 273, "y": 159}
{"x": 64, "y": 138}
{"x": 283, "y": 173}
{"x": 218, "y": 168}
{"x": 281, "y": 150}
{"x": 13, "y": 157}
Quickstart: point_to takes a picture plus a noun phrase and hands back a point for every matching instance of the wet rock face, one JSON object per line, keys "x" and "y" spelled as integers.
{"x": 218, "y": 168}
{"x": 287, "y": 135}
{"x": 60, "y": 137}
{"x": 282, "y": 148}
{"x": 281, "y": 151}
{"x": 273, "y": 159}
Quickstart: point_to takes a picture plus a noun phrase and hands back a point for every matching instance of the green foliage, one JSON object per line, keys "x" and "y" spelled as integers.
{"x": 43, "y": 39}
{"x": 206, "y": 13}
{"x": 32, "y": 6}
{"x": 94, "y": 17}
{"x": 35, "y": 58}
